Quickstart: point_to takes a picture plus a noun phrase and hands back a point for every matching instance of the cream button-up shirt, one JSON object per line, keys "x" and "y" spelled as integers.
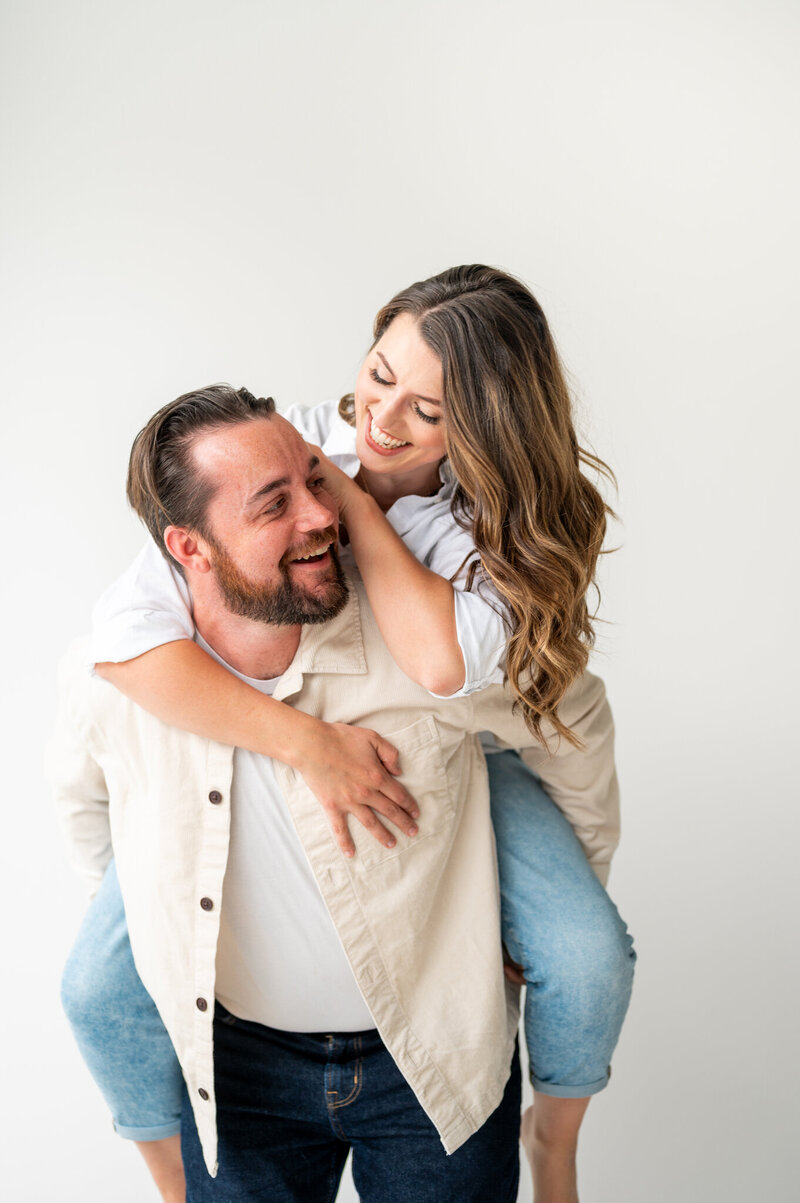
{"x": 419, "y": 922}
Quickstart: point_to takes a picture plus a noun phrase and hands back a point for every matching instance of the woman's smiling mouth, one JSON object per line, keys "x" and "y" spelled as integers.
{"x": 380, "y": 440}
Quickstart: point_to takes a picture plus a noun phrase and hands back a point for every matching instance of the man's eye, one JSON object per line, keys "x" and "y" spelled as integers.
{"x": 317, "y": 483}
{"x": 378, "y": 379}
{"x": 276, "y": 506}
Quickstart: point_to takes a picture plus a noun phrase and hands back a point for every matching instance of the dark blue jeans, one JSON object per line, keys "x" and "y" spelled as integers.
{"x": 291, "y": 1106}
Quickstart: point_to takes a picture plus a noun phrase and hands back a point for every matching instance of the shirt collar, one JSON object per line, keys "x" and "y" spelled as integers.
{"x": 335, "y": 646}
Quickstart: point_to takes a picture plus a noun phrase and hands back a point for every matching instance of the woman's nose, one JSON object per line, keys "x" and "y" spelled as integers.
{"x": 387, "y": 411}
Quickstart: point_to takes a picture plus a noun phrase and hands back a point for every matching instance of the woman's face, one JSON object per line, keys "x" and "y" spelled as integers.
{"x": 399, "y": 395}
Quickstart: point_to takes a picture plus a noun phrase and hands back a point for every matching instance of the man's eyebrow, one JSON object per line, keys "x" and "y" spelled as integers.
{"x": 278, "y": 484}
{"x": 390, "y": 370}
{"x": 267, "y": 488}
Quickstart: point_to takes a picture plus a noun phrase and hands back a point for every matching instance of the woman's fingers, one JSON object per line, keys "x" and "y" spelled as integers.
{"x": 341, "y": 833}
{"x": 388, "y": 754}
{"x": 352, "y": 771}
{"x": 401, "y": 817}
{"x": 368, "y": 818}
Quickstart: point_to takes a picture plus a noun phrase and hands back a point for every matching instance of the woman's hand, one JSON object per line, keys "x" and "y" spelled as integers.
{"x": 351, "y": 771}
{"x": 343, "y": 490}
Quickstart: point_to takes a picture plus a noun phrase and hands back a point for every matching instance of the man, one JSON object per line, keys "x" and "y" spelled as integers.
{"x": 394, "y": 956}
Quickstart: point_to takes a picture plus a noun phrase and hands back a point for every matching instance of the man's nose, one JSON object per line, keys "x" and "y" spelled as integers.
{"x": 316, "y": 513}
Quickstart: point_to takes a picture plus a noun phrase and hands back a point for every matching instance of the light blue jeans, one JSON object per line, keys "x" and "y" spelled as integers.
{"x": 558, "y": 923}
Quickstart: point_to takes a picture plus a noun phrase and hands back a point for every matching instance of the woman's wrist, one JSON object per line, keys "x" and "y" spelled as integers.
{"x": 355, "y": 505}
{"x": 299, "y": 739}
{"x": 360, "y": 515}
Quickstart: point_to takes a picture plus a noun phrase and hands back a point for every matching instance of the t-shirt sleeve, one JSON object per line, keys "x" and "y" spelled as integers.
{"x": 149, "y": 605}
{"x": 482, "y": 631}
{"x": 313, "y": 422}
{"x": 482, "y": 636}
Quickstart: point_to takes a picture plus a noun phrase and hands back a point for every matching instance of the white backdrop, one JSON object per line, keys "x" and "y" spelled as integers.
{"x": 196, "y": 192}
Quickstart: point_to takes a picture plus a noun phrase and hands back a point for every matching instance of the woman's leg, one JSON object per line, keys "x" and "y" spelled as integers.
{"x": 122, "y": 1039}
{"x": 577, "y": 958}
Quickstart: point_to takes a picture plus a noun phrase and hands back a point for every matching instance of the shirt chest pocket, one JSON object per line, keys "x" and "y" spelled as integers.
{"x": 423, "y": 773}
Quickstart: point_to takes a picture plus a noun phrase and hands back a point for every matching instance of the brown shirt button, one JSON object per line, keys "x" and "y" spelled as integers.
{"x": 203, "y": 1093}
{"x": 201, "y": 1004}
{"x": 215, "y": 796}
{"x": 206, "y": 904}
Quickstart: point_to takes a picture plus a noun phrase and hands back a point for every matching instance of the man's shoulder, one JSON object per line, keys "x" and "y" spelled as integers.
{"x": 75, "y": 666}
{"x": 92, "y": 702}
{"x": 77, "y": 685}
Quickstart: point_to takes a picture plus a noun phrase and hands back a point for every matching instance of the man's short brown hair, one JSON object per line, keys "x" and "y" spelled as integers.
{"x": 165, "y": 487}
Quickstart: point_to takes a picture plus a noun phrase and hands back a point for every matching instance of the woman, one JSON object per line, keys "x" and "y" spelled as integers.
{"x": 461, "y": 424}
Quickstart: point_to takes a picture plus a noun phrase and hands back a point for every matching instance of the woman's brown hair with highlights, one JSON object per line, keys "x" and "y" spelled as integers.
{"x": 537, "y": 521}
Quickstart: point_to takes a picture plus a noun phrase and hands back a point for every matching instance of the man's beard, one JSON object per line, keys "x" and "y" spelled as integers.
{"x": 286, "y": 603}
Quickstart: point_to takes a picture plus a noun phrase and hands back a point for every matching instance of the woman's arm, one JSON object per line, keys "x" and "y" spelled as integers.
{"x": 413, "y": 606}
{"x": 351, "y": 770}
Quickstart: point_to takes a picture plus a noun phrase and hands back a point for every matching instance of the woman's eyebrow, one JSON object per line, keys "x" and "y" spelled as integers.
{"x": 390, "y": 370}
{"x": 385, "y": 362}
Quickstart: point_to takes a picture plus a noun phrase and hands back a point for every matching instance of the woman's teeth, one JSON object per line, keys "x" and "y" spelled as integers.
{"x": 381, "y": 437}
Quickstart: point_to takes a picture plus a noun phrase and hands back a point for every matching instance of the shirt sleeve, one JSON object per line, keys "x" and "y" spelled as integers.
{"x": 482, "y": 634}
{"x": 581, "y": 781}
{"x": 147, "y": 606}
{"x": 313, "y": 422}
{"x": 481, "y": 626}
{"x": 77, "y": 781}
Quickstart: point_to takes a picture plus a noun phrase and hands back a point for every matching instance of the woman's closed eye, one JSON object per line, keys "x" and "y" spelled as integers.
{"x": 431, "y": 418}
{"x": 426, "y": 417}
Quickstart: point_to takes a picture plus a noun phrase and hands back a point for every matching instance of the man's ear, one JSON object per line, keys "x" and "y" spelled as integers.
{"x": 187, "y": 548}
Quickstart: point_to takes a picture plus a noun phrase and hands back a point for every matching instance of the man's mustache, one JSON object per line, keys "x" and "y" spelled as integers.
{"x": 315, "y": 544}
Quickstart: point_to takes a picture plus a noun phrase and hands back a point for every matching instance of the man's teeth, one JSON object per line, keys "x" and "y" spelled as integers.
{"x": 381, "y": 437}
{"x": 313, "y": 555}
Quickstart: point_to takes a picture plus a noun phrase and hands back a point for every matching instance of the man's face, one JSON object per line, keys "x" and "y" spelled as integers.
{"x": 272, "y": 529}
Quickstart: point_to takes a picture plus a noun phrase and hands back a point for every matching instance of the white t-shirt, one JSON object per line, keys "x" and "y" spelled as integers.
{"x": 280, "y": 961}
{"x": 150, "y": 605}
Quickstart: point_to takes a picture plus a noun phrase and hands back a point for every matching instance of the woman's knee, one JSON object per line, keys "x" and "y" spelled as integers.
{"x": 84, "y": 994}
{"x": 98, "y": 982}
{"x": 581, "y": 954}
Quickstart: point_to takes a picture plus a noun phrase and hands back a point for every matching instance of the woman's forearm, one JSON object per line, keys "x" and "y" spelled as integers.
{"x": 413, "y": 606}
{"x": 352, "y": 771}
{"x": 183, "y": 686}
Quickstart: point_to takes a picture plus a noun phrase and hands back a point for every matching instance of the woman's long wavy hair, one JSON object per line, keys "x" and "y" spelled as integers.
{"x": 537, "y": 521}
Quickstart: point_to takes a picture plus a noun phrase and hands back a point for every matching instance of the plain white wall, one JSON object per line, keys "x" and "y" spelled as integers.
{"x": 194, "y": 192}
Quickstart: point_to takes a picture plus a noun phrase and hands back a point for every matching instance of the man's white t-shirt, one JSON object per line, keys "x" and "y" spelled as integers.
{"x": 279, "y": 958}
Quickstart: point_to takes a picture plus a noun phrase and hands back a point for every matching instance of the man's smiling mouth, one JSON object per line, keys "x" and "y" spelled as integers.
{"x": 313, "y": 557}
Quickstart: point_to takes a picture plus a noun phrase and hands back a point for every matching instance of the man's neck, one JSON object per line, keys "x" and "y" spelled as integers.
{"x": 255, "y": 649}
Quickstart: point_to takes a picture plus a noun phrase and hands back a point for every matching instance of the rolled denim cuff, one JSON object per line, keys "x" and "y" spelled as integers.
{"x": 159, "y": 1132}
{"x": 570, "y": 1092}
